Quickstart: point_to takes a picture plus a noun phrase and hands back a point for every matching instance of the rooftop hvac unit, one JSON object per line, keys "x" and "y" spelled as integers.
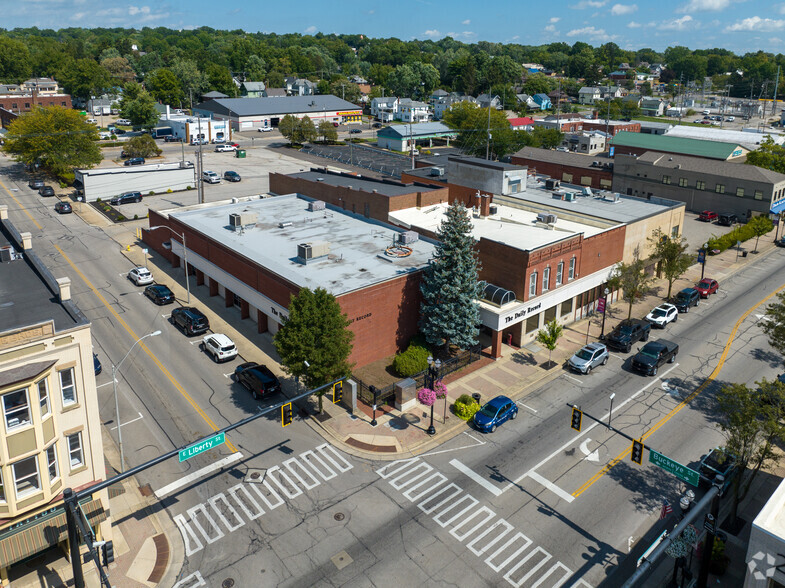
{"x": 586, "y": 191}
{"x": 437, "y": 171}
{"x": 6, "y": 253}
{"x": 239, "y": 220}
{"x": 316, "y": 205}
{"x": 547, "y": 218}
{"x": 493, "y": 209}
{"x": 551, "y": 184}
{"x": 284, "y": 224}
{"x": 308, "y": 251}
{"x": 408, "y": 237}
{"x": 569, "y": 196}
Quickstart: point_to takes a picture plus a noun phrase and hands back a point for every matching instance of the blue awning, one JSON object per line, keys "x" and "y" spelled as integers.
{"x": 778, "y": 207}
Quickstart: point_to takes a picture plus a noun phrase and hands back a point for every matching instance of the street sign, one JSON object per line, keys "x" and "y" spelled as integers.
{"x": 701, "y": 256}
{"x": 680, "y": 471}
{"x": 202, "y": 446}
{"x": 601, "y": 305}
{"x": 710, "y": 523}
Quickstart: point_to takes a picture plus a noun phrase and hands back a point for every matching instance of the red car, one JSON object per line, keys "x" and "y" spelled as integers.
{"x": 707, "y": 286}
{"x": 235, "y": 145}
{"x": 707, "y": 216}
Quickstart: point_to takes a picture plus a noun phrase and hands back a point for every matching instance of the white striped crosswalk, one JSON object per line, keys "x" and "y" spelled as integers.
{"x": 226, "y": 512}
{"x": 503, "y": 549}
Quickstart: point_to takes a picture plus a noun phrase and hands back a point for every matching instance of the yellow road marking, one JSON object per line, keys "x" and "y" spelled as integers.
{"x": 130, "y": 331}
{"x": 715, "y": 372}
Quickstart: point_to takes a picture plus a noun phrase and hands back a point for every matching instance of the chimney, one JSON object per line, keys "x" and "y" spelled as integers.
{"x": 477, "y": 200}
{"x": 65, "y": 288}
{"x": 27, "y": 240}
{"x": 485, "y": 205}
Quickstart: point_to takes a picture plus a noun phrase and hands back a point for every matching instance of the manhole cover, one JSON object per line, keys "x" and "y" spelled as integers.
{"x": 339, "y": 516}
{"x": 255, "y": 476}
{"x": 228, "y": 583}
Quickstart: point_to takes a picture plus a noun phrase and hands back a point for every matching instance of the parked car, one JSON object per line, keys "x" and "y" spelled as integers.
{"x": 727, "y": 219}
{"x": 63, "y": 207}
{"x": 159, "y": 294}
{"x": 355, "y": 131}
{"x": 35, "y": 183}
{"x": 222, "y": 148}
{"x": 126, "y": 198}
{"x": 686, "y": 298}
{"x": 707, "y": 111}
{"x": 211, "y": 177}
{"x": 232, "y": 176}
{"x": 708, "y": 216}
{"x": 335, "y": 124}
{"x": 730, "y": 118}
{"x": 654, "y": 354}
{"x": 662, "y": 315}
{"x": 627, "y": 332}
{"x": 104, "y": 135}
{"x": 92, "y": 121}
{"x": 588, "y": 358}
{"x": 719, "y": 462}
{"x": 46, "y": 191}
{"x": 134, "y": 161}
{"x": 257, "y": 379}
{"x": 495, "y": 412}
{"x": 221, "y": 347}
{"x": 172, "y": 139}
{"x": 189, "y": 320}
{"x": 141, "y": 276}
{"x": 123, "y": 121}
{"x": 97, "y": 367}
{"x": 264, "y": 129}
{"x": 780, "y": 242}
{"x": 235, "y": 145}
{"x": 196, "y": 141}
{"x": 707, "y": 286}
{"x": 377, "y": 125}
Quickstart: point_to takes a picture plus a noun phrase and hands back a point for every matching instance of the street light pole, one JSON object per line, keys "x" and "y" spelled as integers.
{"x": 604, "y": 312}
{"x": 115, "y": 369}
{"x": 185, "y": 258}
{"x": 433, "y": 371}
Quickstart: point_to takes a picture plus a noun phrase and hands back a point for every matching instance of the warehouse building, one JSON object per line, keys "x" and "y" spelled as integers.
{"x": 106, "y": 182}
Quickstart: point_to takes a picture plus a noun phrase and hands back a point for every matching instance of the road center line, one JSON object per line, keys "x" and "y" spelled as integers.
{"x": 490, "y": 487}
{"x": 185, "y": 480}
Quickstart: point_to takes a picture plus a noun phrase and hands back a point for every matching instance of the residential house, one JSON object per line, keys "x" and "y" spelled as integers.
{"x": 445, "y": 103}
{"x": 543, "y": 101}
{"x": 625, "y": 67}
{"x": 566, "y": 122}
{"x": 438, "y": 95}
{"x": 365, "y": 91}
{"x": 252, "y": 89}
{"x": 528, "y": 101}
{"x": 588, "y": 95}
{"x": 633, "y": 100}
{"x": 484, "y": 99}
{"x": 558, "y": 97}
{"x": 41, "y": 86}
{"x": 656, "y": 69}
{"x": 299, "y": 87}
{"x": 384, "y": 108}
{"x": 274, "y": 93}
{"x": 521, "y": 124}
{"x": 358, "y": 80}
{"x": 412, "y": 111}
{"x": 617, "y": 76}
{"x": 653, "y": 106}
{"x": 612, "y": 92}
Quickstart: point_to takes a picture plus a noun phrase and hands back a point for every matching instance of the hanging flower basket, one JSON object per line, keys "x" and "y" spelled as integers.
{"x": 426, "y": 396}
{"x": 440, "y": 389}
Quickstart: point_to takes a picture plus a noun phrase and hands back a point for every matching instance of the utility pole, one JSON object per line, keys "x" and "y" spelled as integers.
{"x": 488, "y": 139}
{"x": 776, "y": 86}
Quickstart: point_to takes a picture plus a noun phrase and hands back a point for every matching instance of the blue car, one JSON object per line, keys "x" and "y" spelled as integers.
{"x": 96, "y": 364}
{"x": 494, "y": 413}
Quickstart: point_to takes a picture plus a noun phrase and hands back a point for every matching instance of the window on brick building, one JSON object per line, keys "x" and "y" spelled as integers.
{"x": 533, "y": 284}
{"x": 571, "y": 271}
{"x": 700, "y": 185}
{"x": 683, "y": 182}
{"x": 546, "y": 279}
{"x": 740, "y": 192}
{"x": 666, "y": 179}
{"x": 559, "y": 273}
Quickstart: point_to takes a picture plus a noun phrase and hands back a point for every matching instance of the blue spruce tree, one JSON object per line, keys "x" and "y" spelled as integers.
{"x": 450, "y": 287}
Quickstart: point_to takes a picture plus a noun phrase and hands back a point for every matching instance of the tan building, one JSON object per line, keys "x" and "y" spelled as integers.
{"x": 51, "y": 430}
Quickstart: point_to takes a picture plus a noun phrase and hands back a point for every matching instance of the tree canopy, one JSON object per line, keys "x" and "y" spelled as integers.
{"x": 671, "y": 256}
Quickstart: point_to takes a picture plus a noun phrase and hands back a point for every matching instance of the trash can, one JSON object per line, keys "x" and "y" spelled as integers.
{"x": 744, "y": 253}
{"x": 241, "y": 153}
{"x": 476, "y": 397}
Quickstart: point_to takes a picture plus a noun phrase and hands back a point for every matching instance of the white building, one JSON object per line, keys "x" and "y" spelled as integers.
{"x": 106, "y": 182}
{"x": 412, "y": 111}
{"x": 384, "y": 108}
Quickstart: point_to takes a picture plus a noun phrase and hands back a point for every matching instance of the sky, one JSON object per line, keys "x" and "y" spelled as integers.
{"x": 739, "y": 25}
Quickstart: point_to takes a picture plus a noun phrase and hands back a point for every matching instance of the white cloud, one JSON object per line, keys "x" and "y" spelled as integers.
{"x": 135, "y": 10}
{"x": 590, "y": 33}
{"x": 554, "y": 19}
{"x": 311, "y": 30}
{"x": 589, "y": 4}
{"x": 780, "y": 8}
{"x": 432, "y": 34}
{"x": 676, "y": 24}
{"x": 758, "y": 24}
{"x": 620, "y": 9}
{"x": 466, "y": 22}
{"x": 549, "y": 29}
{"x": 465, "y": 35}
{"x": 634, "y": 25}
{"x": 704, "y": 5}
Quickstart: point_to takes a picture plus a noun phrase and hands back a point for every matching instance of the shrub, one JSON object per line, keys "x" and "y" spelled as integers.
{"x": 189, "y": 188}
{"x": 120, "y": 218}
{"x": 465, "y": 407}
{"x": 169, "y": 191}
{"x": 412, "y": 361}
{"x": 741, "y": 233}
{"x": 136, "y": 217}
{"x": 98, "y": 200}
{"x": 151, "y": 193}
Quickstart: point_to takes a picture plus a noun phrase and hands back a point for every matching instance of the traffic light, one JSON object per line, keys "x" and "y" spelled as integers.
{"x": 577, "y": 416}
{"x": 337, "y": 392}
{"x": 107, "y": 551}
{"x": 637, "y": 452}
{"x": 286, "y": 414}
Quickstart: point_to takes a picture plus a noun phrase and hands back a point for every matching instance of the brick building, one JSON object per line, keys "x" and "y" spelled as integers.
{"x": 613, "y": 126}
{"x": 34, "y": 92}
{"x": 595, "y": 172}
{"x": 257, "y": 253}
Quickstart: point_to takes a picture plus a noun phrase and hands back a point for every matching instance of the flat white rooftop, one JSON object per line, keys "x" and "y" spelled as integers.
{"x": 356, "y": 256}
{"x": 124, "y": 169}
{"x": 771, "y": 518}
{"x": 515, "y": 227}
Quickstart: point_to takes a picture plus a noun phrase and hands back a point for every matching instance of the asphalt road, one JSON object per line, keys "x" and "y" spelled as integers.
{"x": 530, "y": 505}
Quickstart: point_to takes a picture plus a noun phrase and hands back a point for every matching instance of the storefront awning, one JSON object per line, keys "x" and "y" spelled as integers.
{"x": 43, "y": 531}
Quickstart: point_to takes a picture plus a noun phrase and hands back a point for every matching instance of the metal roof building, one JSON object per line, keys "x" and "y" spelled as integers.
{"x": 640, "y": 143}
{"x": 400, "y": 137}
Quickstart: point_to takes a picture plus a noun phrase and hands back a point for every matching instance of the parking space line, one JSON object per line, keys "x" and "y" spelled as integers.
{"x": 526, "y": 406}
{"x": 573, "y": 378}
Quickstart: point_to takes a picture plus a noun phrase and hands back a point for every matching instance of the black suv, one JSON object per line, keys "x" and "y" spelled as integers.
{"x": 134, "y": 161}
{"x": 189, "y": 320}
{"x": 686, "y": 298}
{"x": 727, "y": 219}
{"x": 46, "y": 191}
{"x": 126, "y": 198}
{"x": 626, "y": 333}
{"x": 257, "y": 379}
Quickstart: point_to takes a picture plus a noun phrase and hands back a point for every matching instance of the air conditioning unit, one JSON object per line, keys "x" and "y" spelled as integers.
{"x": 244, "y": 219}
{"x": 551, "y": 184}
{"x": 316, "y": 205}
{"x": 408, "y": 237}
{"x": 493, "y": 210}
{"x": 547, "y": 218}
{"x": 437, "y": 171}
{"x": 284, "y": 224}
{"x": 307, "y": 251}
{"x": 569, "y": 196}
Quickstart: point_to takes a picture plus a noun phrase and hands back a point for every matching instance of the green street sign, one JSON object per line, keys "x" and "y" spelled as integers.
{"x": 202, "y": 446}
{"x": 674, "y": 467}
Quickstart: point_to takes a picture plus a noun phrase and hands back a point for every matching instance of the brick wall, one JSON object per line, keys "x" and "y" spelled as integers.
{"x": 599, "y": 125}
{"x": 26, "y": 103}
{"x": 602, "y": 250}
{"x": 557, "y": 171}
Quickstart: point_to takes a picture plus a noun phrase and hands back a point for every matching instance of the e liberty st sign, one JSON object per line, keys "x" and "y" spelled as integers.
{"x": 202, "y": 446}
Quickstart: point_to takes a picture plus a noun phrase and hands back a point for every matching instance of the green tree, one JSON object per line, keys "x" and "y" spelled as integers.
{"x": 546, "y": 138}
{"x": 55, "y": 139}
{"x": 288, "y": 127}
{"x": 774, "y": 327}
{"x": 119, "y": 69}
{"x": 549, "y": 336}
{"x": 752, "y": 428}
{"x": 84, "y": 78}
{"x": 192, "y": 81}
{"x": 164, "y": 86}
{"x": 142, "y": 146}
{"x": 646, "y": 89}
{"x": 220, "y": 80}
{"x": 450, "y": 285}
{"x": 15, "y": 62}
{"x": 671, "y": 256}
{"x": 317, "y": 331}
{"x": 768, "y": 156}
{"x": 632, "y": 279}
{"x": 306, "y": 130}
{"x": 327, "y": 131}
{"x": 403, "y": 81}
{"x": 504, "y": 70}
{"x": 138, "y": 106}
{"x": 760, "y": 226}
{"x": 537, "y": 83}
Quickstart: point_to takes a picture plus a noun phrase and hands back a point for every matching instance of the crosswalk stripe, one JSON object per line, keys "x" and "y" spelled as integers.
{"x": 414, "y": 496}
{"x": 404, "y": 479}
{"x": 274, "y": 499}
{"x": 422, "y": 506}
{"x": 326, "y": 449}
{"x": 508, "y": 576}
{"x": 192, "y": 543}
{"x": 296, "y": 490}
{"x": 561, "y": 581}
{"x": 289, "y": 465}
{"x": 200, "y": 509}
{"x": 385, "y": 472}
{"x": 309, "y": 457}
{"x": 222, "y": 498}
{"x": 258, "y": 510}
{"x": 468, "y": 519}
{"x": 495, "y": 554}
{"x": 500, "y": 523}
{"x": 468, "y": 498}
{"x": 195, "y": 577}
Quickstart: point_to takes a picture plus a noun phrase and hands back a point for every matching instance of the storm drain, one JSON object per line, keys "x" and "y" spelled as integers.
{"x": 341, "y": 560}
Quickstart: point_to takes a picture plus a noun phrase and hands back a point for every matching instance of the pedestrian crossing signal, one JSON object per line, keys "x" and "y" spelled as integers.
{"x": 637, "y": 452}
{"x": 286, "y": 414}
{"x": 577, "y": 417}
{"x": 337, "y": 392}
